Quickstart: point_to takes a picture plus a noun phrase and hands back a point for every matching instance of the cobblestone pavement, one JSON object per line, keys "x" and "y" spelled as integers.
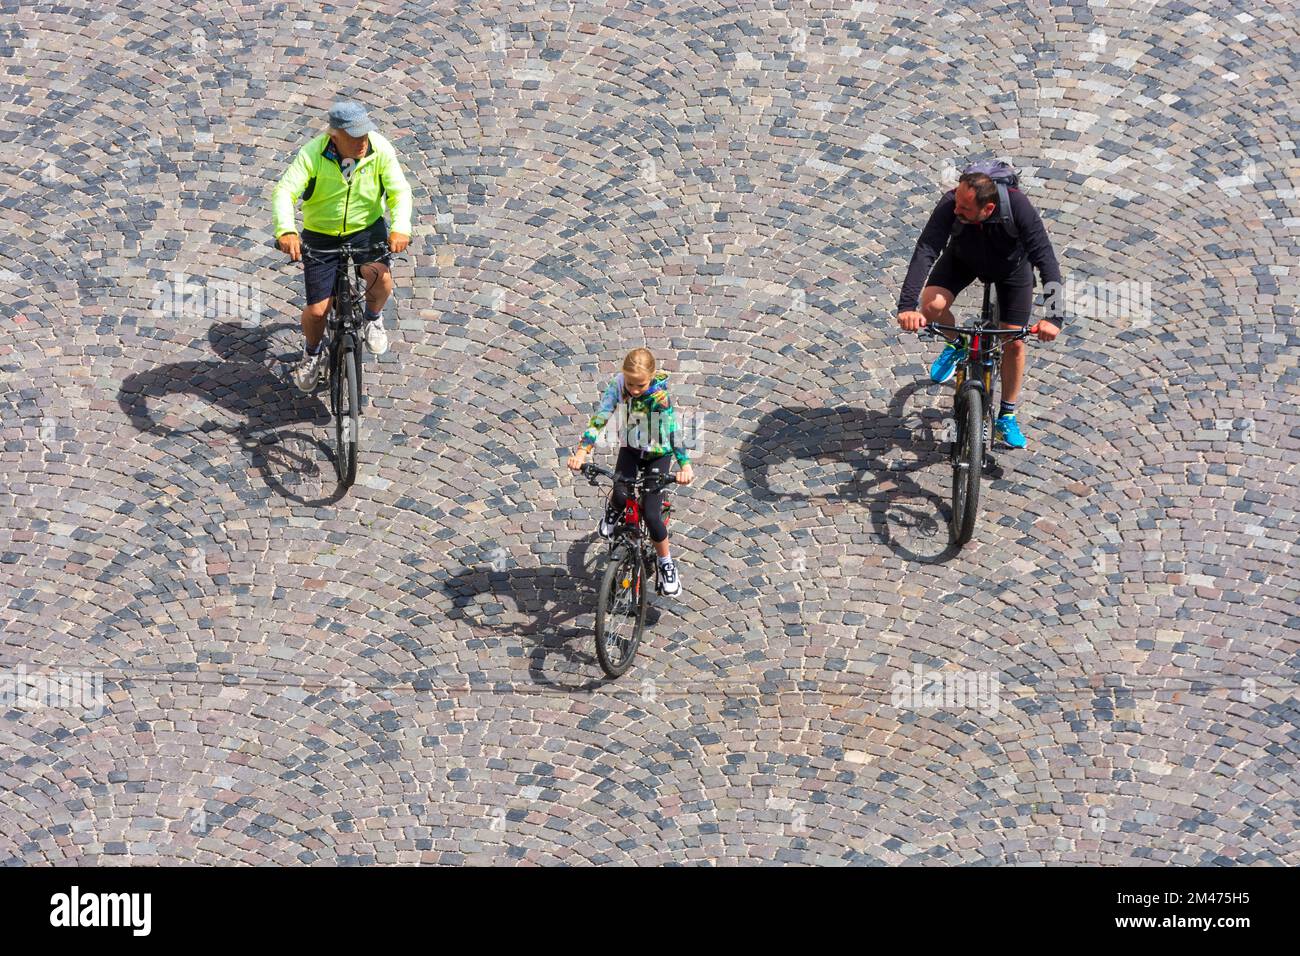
{"x": 406, "y": 673}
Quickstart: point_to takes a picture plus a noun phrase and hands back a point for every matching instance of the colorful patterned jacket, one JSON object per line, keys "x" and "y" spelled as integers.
{"x": 648, "y": 423}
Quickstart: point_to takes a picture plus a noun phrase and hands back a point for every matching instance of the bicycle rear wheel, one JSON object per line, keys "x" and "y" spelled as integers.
{"x": 620, "y": 612}
{"x": 967, "y": 466}
{"x": 344, "y": 396}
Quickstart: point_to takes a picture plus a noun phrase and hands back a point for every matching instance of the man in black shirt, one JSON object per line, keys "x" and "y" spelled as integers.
{"x": 981, "y": 246}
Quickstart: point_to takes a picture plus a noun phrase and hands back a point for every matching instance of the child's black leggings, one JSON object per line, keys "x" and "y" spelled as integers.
{"x": 629, "y": 461}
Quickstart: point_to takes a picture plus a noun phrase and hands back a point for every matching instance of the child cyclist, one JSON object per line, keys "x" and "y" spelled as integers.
{"x": 651, "y": 437}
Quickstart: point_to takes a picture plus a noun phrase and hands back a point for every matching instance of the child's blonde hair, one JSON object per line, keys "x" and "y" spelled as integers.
{"x": 639, "y": 362}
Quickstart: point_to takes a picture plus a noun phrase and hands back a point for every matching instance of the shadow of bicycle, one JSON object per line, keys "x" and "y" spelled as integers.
{"x": 561, "y": 603}
{"x": 859, "y": 456}
{"x": 250, "y": 387}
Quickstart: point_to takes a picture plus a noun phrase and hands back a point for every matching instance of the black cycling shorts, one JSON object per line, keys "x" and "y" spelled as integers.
{"x": 319, "y": 274}
{"x": 1015, "y": 292}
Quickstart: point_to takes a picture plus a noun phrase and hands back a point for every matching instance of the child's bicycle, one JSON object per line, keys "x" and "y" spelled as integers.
{"x": 621, "y": 601}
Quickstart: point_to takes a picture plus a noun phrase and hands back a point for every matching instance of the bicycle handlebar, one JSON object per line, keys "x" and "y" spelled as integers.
{"x": 933, "y": 328}
{"x": 650, "y": 481}
{"x": 321, "y": 255}
{"x": 350, "y": 249}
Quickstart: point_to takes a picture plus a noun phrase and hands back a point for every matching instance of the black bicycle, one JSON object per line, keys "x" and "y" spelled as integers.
{"x": 622, "y": 598}
{"x": 342, "y": 372}
{"x": 978, "y": 371}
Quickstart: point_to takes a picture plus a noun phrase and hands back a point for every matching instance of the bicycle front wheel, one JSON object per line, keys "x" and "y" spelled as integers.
{"x": 347, "y": 416}
{"x": 620, "y": 612}
{"x": 967, "y": 466}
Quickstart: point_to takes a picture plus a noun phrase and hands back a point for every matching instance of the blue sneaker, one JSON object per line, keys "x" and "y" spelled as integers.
{"x": 946, "y": 363}
{"x": 1008, "y": 430}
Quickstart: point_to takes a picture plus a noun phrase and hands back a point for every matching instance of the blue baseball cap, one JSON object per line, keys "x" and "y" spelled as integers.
{"x": 352, "y": 118}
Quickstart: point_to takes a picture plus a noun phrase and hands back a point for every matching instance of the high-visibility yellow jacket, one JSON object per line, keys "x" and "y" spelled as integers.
{"x": 336, "y": 206}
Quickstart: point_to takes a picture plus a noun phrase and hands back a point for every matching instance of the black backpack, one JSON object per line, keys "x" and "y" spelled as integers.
{"x": 1004, "y": 177}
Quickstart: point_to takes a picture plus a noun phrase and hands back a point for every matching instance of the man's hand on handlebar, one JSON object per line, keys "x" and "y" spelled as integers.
{"x": 1046, "y": 330}
{"x": 398, "y": 241}
{"x": 911, "y": 321}
{"x": 686, "y": 474}
{"x": 291, "y": 244}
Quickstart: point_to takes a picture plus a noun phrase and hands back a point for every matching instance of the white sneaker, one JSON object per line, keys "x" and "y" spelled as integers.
{"x": 668, "y": 579}
{"x": 307, "y": 373}
{"x": 606, "y": 529}
{"x": 376, "y": 336}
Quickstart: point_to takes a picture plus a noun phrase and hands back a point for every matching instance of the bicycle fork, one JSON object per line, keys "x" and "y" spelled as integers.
{"x": 342, "y": 342}
{"x": 620, "y": 550}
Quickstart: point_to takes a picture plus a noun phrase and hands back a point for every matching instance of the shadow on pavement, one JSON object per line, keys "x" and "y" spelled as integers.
{"x": 555, "y": 599}
{"x": 250, "y": 384}
{"x": 881, "y": 451}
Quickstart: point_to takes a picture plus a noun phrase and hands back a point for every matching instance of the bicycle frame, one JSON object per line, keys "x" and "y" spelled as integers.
{"x": 983, "y": 353}
{"x": 979, "y": 370}
{"x": 345, "y": 316}
{"x": 343, "y": 370}
{"x": 630, "y": 561}
{"x": 633, "y": 533}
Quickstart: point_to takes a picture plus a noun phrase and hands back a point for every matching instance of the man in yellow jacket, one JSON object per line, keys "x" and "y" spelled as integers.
{"x": 344, "y": 177}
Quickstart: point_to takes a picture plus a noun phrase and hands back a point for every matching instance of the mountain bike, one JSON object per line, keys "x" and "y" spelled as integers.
{"x": 977, "y": 373}
{"x": 621, "y": 600}
{"x": 342, "y": 373}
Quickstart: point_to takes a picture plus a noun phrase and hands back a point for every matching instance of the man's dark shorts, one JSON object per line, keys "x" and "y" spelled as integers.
{"x": 320, "y": 274}
{"x": 1015, "y": 292}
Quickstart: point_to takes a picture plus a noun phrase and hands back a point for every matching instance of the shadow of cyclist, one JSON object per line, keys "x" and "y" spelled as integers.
{"x": 882, "y": 450}
{"x": 555, "y": 598}
{"x": 249, "y": 385}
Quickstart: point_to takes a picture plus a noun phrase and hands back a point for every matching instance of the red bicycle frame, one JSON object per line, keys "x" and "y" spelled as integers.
{"x": 632, "y": 512}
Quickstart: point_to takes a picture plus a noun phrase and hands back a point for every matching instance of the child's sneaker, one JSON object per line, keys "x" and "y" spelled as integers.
{"x": 668, "y": 580}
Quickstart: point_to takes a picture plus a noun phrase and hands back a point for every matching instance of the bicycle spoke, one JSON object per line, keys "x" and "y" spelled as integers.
{"x": 622, "y": 621}
{"x": 620, "y": 613}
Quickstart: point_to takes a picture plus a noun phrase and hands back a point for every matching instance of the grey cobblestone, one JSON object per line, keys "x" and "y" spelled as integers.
{"x": 405, "y": 674}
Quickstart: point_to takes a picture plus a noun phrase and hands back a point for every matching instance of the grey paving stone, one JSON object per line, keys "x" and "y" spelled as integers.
{"x": 404, "y": 674}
